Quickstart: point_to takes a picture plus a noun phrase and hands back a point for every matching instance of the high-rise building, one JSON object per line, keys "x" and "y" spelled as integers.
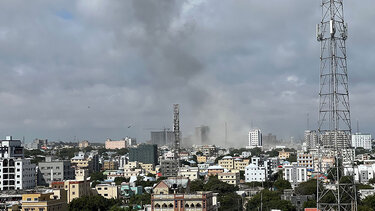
{"x": 145, "y": 153}
{"x": 361, "y": 140}
{"x": 162, "y": 138}
{"x": 255, "y": 138}
{"x": 58, "y": 170}
{"x": 202, "y": 134}
{"x": 16, "y": 172}
{"x": 311, "y": 139}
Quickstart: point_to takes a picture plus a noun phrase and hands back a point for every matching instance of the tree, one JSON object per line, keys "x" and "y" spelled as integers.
{"x": 199, "y": 153}
{"x": 196, "y": 185}
{"x": 88, "y": 203}
{"x": 282, "y": 184}
{"x": 372, "y": 180}
{"x": 217, "y": 186}
{"x": 269, "y": 200}
{"x": 292, "y": 158}
{"x": 140, "y": 199}
{"x": 119, "y": 180}
{"x": 98, "y": 176}
{"x": 309, "y": 204}
{"x": 307, "y": 188}
{"x": 369, "y": 201}
{"x": 230, "y": 202}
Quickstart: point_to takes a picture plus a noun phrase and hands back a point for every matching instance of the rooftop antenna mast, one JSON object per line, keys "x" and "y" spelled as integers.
{"x": 334, "y": 125}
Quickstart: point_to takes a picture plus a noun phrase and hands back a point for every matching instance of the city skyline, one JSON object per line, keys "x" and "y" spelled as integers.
{"x": 92, "y": 71}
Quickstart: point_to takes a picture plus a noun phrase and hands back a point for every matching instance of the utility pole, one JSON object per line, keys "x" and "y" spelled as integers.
{"x": 334, "y": 112}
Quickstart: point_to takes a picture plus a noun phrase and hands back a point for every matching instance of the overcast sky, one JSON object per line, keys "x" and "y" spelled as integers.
{"x": 91, "y": 68}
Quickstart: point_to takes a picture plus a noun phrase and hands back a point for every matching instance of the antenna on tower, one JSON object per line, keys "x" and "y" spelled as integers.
{"x": 334, "y": 125}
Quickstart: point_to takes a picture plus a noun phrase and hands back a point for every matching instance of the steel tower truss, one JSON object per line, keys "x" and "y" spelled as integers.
{"x": 338, "y": 192}
{"x": 176, "y": 131}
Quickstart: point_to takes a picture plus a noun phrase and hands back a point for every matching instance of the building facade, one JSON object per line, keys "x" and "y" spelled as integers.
{"x": 295, "y": 174}
{"x": 144, "y": 153}
{"x": 49, "y": 171}
{"x": 255, "y": 138}
{"x": 362, "y": 140}
{"x": 16, "y": 172}
{"x": 255, "y": 173}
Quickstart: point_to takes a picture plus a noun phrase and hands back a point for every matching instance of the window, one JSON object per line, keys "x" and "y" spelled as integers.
{"x": 35, "y": 199}
{"x": 106, "y": 194}
{"x": 28, "y": 199}
{"x": 73, "y": 193}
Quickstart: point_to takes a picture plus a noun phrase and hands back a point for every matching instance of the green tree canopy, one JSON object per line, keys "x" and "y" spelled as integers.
{"x": 269, "y": 200}
{"x": 282, "y": 184}
{"x": 307, "y": 188}
{"x": 88, "y": 203}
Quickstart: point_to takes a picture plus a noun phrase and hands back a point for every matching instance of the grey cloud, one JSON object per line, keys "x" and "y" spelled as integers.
{"x": 129, "y": 61}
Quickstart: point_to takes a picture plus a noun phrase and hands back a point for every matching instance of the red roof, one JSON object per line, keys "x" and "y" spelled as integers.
{"x": 311, "y": 209}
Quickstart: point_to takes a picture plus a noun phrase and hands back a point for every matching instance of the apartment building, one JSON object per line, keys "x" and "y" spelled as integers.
{"x": 232, "y": 178}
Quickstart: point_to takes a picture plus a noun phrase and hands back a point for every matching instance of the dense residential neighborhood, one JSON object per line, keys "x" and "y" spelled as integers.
{"x": 129, "y": 176}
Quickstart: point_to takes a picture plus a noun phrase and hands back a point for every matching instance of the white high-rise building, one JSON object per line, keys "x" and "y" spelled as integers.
{"x": 361, "y": 140}
{"x": 16, "y": 172}
{"x": 255, "y": 138}
{"x": 311, "y": 139}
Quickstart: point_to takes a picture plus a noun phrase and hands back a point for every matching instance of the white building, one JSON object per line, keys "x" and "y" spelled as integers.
{"x": 295, "y": 174}
{"x": 16, "y": 172}
{"x": 255, "y": 138}
{"x": 255, "y": 173}
{"x": 311, "y": 139}
{"x": 361, "y": 140}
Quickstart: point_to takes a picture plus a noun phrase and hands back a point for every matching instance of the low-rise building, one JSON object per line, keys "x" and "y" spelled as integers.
{"x": 45, "y": 201}
{"x": 188, "y": 172}
{"x": 284, "y": 155}
{"x": 200, "y": 201}
{"x": 214, "y": 170}
{"x": 108, "y": 191}
{"x": 295, "y": 174}
{"x": 75, "y": 188}
{"x": 201, "y": 159}
{"x": 231, "y": 178}
{"x": 255, "y": 173}
{"x": 110, "y": 165}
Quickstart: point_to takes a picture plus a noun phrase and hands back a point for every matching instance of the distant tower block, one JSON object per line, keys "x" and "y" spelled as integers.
{"x": 176, "y": 130}
{"x": 334, "y": 112}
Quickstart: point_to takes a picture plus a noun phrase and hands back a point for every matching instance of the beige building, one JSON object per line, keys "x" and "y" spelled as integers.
{"x": 110, "y": 165}
{"x": 108, "y": 191}
{"x": 55, "y": 201}
{"x": 74, "y": 189}
{"x": 83, "y": 144}
{"x": 240, "y": 164}
{"x": 188, "y": 172}
{"x": 229, "y": 177}
{"x": 109, "y": 144}
{"x": 284, "y": 155}
{"x": 214, "y": 170}
{"x": 227, "y": 162}
{"x": 201, "y": 159}
{"x": 148, "y": 167}
{"x": 200, "y": 201}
